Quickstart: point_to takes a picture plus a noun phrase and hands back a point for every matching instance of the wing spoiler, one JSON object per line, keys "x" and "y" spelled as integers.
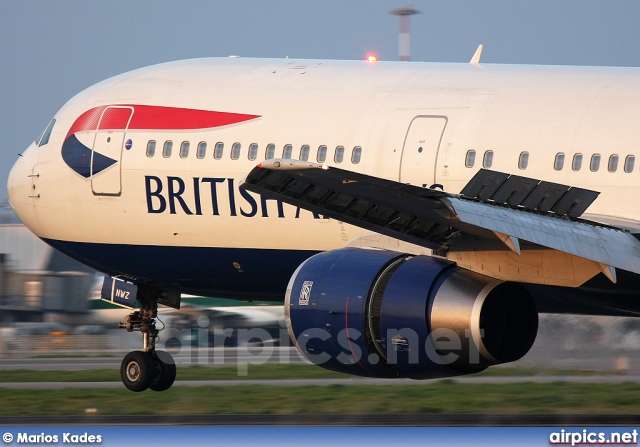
{"x": 492, "y": 205}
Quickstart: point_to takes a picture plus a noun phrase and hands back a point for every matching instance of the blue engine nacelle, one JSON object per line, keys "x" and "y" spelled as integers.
{"x": 378, "y": 313}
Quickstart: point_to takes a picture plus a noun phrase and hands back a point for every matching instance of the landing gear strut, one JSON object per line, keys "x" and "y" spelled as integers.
{"x": 148, "y": 368}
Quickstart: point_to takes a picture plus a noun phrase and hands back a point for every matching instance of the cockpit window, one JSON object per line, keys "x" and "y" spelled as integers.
{"x": 44, "y": 139}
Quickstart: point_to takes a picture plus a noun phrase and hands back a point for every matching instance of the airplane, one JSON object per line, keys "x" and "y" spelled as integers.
{"x": 414, "y": 218}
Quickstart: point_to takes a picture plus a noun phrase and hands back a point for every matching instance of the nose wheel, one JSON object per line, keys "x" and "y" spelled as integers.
{"x": 155, "y": 370}
{"x": 146, "y": 369}
{"x": 164, "y": 371}
{"x": 137, "y": 370}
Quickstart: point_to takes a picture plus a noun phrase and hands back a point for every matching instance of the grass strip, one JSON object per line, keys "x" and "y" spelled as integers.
{"x": 440, "y": 397}
{"x": 271, "y": 371}
{"x": 266, "y": 371}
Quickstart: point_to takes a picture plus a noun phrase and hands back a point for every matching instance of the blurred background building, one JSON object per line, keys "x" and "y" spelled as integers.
{"x": 37, "y": 282}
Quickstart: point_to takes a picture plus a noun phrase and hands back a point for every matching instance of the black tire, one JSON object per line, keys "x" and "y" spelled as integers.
{"x": 136, "y": 371}
{"x": 164, "y": 371}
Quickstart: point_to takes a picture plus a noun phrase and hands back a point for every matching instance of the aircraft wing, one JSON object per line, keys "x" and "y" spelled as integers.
{"x": 493, "y": 205}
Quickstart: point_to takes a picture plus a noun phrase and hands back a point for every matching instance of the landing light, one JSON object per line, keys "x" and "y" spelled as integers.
{"x": 372, "y": 58}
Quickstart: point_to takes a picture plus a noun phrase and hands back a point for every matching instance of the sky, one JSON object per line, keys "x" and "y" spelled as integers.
{"x": 51, "y": 50}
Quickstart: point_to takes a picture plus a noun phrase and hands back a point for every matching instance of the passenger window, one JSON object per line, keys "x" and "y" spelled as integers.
{"x": 470, "y": 158}
{"x": 167, "y": 148}
{"x": 202, "y": 149}
{"x": 576, "y": 164}
{"x": 270, "y": 152}
{"x": 253, "y": 151}
{"x": 304, "y": 152}
{"x": 356, "y": 155}
{"x": 339, "y": 154}
{"x": 487, "y": 160}
{"x": 322, "y": 154}
{"x": 151, "y": 148}
{"x": 595, "y": 163}
{"x": 523, "y": 160}
{"x": 628, "y": 163}
{"x": 184, "y": 149}
{"x": 286, "y": 151}
{"x": 44, "y": 139}
{"x": 235, "y": 151}
{"x": 613, "y": 163}
{"x": 558, "y": 163}
{"x": 218, "y": 151}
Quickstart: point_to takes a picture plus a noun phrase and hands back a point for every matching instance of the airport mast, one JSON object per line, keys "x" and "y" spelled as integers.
{"x": 404, "y": 40}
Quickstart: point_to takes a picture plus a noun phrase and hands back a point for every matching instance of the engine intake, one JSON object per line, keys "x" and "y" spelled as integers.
{"x": 386, "y": 314}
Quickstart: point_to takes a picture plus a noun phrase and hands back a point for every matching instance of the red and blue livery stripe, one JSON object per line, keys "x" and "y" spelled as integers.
{"x": 145, "y": 117}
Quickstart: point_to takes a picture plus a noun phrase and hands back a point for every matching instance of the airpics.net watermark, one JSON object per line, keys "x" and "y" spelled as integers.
{"x": 592, "y": 437}
{"x": 257, "y": 346}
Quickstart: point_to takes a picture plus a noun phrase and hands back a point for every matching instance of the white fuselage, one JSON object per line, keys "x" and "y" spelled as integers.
{"x": 414, "y": 122}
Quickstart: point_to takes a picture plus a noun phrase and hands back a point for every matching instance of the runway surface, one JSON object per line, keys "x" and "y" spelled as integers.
{"x": 62, "y": 364}
{"x": 208, "y": 357}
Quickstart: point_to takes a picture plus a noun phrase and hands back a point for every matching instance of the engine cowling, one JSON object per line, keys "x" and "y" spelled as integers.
{"x": 379, "y": 313}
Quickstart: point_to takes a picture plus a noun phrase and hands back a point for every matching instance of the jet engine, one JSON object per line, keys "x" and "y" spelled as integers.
{"x": 379, "y": 313}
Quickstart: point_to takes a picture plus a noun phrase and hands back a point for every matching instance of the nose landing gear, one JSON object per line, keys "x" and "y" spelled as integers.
{"x": 149, "y": 368}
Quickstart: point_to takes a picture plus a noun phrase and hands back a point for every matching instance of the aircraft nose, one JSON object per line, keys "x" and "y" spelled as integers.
{"x": 10, "y": 185}
{"x": 19, "y": 182}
